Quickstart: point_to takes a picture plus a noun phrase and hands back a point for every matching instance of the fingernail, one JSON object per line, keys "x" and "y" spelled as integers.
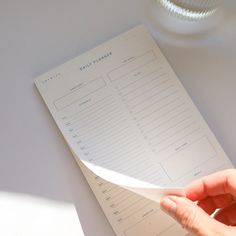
{"x": 168, "y": 206}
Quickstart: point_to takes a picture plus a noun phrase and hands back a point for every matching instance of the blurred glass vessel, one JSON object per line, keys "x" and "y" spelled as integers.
{"x": 191, "y": 9}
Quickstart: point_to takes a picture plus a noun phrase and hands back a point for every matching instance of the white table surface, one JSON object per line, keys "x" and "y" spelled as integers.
{"x": 36, "y": 36}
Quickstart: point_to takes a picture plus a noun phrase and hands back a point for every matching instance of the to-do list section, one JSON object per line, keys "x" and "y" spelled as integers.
{"x": 155, "y": 103}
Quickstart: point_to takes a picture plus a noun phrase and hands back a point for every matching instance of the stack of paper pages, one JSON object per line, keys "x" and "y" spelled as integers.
{"x": 133, "y": 130}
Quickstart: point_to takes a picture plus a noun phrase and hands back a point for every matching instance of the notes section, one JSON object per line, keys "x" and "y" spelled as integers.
{"x": 191, "y": 157}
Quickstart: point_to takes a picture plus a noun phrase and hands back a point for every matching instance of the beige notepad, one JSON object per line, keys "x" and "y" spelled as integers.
{"x": 132, "y": 128}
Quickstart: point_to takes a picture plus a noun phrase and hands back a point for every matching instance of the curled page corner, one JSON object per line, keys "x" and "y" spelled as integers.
{"x": 147, "y": 190}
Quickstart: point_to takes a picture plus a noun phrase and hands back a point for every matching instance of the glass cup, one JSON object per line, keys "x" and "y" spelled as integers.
{"x": 191, "y": 9}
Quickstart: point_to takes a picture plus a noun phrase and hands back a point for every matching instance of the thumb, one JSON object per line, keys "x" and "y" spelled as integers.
{"x": 191, "y": 217}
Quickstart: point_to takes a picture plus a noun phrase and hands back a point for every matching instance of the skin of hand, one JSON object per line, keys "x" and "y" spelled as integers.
{"x": 216, "y": 194}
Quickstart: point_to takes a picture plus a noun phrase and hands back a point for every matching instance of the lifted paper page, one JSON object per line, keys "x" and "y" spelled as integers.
{"x": 128, "y": 213}
{"x": 125, "y": 114}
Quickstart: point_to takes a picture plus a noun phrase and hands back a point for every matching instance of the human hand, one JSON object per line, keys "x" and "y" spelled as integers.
{"x": 216, "y": 191}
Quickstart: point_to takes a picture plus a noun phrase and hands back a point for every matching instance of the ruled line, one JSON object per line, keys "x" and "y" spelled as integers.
{"x": 162, "y": 115}
{"x": 159, "y": 108}
{"x": 147, "y": 91}
{"x": 154, "y": 103}
{"x": 165, "y": 122}
{"x": 144, "y": 85}
{"x": 110, "y": 132}
{"x": 171, "y": 127}
{"x": 153, "y": 95}
{"x": 91, "y": 106}
{"x": 139, "y": 79}
{"x": 180, "y": 130}
{"x": 93, "y": 119}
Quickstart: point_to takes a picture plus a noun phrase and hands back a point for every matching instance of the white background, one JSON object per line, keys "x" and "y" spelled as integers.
{"x": 37, "y": 35}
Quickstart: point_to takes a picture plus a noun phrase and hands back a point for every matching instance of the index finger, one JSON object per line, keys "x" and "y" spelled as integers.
{"x": 223, "y": 182}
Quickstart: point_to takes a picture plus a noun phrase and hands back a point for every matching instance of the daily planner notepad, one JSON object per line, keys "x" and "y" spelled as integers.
{"x": 133, "y": 130}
